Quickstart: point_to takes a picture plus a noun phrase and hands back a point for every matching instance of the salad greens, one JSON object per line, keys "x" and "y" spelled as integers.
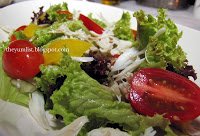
{"x": 20, "y": 35}
{"x": 160, "y": 37}
{"x": 49, "y": 81}
{"x": 68, "y": 89}
{"x": 81, "y": 95}
{"x": 43, "y": 36}
{"x": 54, "y": 16}
{"x": 122, "y": 28}
{"x": 76, "y": 25}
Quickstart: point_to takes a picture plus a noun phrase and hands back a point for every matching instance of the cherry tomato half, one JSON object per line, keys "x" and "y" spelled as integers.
{"x": 157, "y": 91}
{"x": 21, "y": 60}
{"x": 21, "y": 28}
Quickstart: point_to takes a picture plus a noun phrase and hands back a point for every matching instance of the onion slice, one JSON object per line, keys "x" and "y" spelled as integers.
{"x": 128, "y": 55}
{"x": 83, "y": 59}
{"x": 72, "y": 129}
{"x": 128, "y": 69}
{"x": 16, "y": 120}
{"x": 107, "y": 132}
{"x": 36, "y": 107}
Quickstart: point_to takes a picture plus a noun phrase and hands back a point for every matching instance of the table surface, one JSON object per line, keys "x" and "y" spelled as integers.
{"x": 184, "y": 17}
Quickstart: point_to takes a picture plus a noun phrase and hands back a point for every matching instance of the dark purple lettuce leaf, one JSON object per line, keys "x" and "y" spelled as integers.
{"x": 40, "y": 17}
{"x": 187, "y": 71}
{"x": 99, "y": 68}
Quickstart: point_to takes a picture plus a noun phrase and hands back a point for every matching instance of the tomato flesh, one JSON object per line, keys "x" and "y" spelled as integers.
{"x": 90, "y": 24}
{"x": 157, "y": 91}
{"x": 65, "y": 12}
{"x": 21, "y": 60}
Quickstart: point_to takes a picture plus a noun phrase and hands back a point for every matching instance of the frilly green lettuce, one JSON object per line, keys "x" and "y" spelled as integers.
{"x": 47, "y": 82}
{"x": 76, "y": 25}
{"x": 45, "y": 35}
{"x": 20, "y": 36}
{"x": 54, "y": 16}
{"x": 160, "y": 37}
{"x": 122, "y": 28}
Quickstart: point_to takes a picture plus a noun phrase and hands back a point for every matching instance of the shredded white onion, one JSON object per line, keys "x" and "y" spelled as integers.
{"x": 130, "y": 68}
{"x": 107, "y": 132}
{"x": 127, "y": 63}
{"x": 83, "y": 59}
{"x": 124, "y": 59}
{"x": 149, "y": 132}
{"x": 116, "y": 91}
{"x": 67, "y": 32}
{"x": 121, "y": 47}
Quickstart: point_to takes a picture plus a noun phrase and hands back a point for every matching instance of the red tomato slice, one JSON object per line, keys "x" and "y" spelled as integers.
{"x": 91, "y": 25}
{"x": 157, "y": 91}
{"x": 65, "y": 12}
{"x": 134, "y": 33}
{"x": 21, "y": 60}
{"x": 21, "y": 28}
{"x": 116, "y": 55}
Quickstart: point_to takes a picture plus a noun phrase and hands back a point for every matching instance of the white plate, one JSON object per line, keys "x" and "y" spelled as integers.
{"x": 19, "y": 14}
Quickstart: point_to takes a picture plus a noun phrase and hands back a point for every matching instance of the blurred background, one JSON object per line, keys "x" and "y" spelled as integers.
{"x": 184, "y": 12}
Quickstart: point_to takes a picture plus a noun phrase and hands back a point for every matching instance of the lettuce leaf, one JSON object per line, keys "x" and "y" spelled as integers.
{"x": 20, "y": 36}
{"x": 51, "y": 79}
{"x": 54, "y": 16}
{"x": 159, "y": 54}
{"x": 75, "y": 25}
{"x": 160, "y": 37}
{"x": 45, "y": 35}
{"x": 122, "y": 28}
{"x": 81, "y": 95}
{"x": 7, "y": 91}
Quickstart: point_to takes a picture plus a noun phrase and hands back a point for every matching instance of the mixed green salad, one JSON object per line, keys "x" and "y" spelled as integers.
{"x": 102, "y": 78}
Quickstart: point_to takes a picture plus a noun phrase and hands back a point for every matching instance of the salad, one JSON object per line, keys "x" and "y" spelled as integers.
{"x": 80, "y": 75}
